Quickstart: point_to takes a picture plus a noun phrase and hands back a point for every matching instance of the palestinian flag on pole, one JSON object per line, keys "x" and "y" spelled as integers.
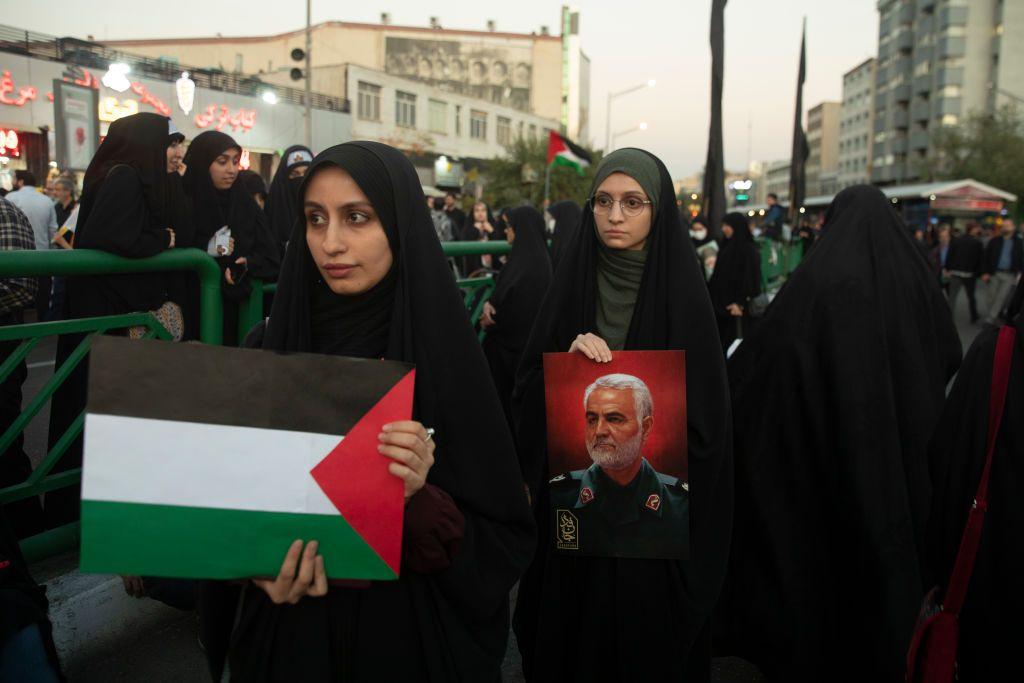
{"x": 565, "y": 152}
{"x": 208, "y": 462}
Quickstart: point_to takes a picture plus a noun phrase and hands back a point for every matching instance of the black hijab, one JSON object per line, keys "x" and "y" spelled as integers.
{"x": 459, "y": 614}
{"x": 567, "y": 215}
{"x": 235, "y": 207}
{"x": 139, "y": 141}
{"x": 523, "y": 281}
{"x": 660, "y": 608}
{"x": 835, "y": 395}
{"x": 737, "y": 274}
{"x": 253, "y": 183}
{"x": 283, "y": 200}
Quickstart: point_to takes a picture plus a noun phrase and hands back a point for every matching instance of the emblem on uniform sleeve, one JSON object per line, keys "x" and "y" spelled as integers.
{"x": 568, "y": 535}
{"x": 653, "y": 502}
{"x": 586, "y": 495}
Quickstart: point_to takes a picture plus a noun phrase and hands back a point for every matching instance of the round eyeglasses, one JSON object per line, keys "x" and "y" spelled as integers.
{"x": 602, "y": 205}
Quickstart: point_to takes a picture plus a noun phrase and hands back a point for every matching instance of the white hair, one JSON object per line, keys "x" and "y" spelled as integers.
{"x": 641, "y": 394}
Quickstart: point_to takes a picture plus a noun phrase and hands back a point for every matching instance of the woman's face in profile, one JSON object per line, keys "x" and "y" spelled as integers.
{"x": 344, "y": 233}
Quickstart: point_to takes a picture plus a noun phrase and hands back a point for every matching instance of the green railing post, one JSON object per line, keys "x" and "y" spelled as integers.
{"x": 94, "y": 262}
{"x": 251, "y": 311}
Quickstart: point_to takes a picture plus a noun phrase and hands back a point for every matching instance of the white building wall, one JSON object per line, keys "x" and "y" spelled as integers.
{"x": 421, "y": 139}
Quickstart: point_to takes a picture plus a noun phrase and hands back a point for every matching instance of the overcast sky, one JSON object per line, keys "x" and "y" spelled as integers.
{"x": 627, "y": 43}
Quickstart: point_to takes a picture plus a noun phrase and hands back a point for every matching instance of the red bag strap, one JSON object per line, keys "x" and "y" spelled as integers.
{"x": 957, "y": 588}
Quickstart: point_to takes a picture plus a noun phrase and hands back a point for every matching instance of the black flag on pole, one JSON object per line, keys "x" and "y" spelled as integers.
{"x": 798, "y": 159}
{"x": 714, "y": 167}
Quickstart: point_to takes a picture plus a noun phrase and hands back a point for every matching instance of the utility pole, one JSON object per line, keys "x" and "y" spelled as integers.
{"x": 309, "y": 75}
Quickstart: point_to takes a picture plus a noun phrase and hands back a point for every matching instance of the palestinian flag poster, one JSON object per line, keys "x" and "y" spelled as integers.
{"x": 564, "y": 152}
{"x": 208, "y": 462}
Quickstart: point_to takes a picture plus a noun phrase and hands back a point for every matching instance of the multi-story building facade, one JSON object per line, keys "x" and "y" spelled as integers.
{"x": 438, "y": 128}
{"x": 856, "y": 125}
{"x": 938, "y": 62}
{"x": 823, "y": 148}
{"x": 538, "y": 73}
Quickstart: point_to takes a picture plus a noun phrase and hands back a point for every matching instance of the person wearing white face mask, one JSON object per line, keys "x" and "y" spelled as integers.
{"x": 705, "y": 244}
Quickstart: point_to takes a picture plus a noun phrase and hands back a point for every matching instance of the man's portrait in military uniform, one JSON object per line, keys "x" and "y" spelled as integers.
{"x": 620, "y": 505}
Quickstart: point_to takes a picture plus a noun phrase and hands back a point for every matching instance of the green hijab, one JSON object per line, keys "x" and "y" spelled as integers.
{"x": 619, "y": 271}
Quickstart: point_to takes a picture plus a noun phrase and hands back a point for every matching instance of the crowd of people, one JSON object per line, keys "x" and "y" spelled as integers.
{"x": 829, "y": 473}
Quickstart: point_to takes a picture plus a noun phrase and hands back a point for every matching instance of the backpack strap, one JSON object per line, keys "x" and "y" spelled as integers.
{"x": 971, "y": 538}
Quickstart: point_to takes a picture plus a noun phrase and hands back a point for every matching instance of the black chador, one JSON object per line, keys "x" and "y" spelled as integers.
{"x": 517, "y": 297}
{"x": 603, "y": 618}
{"x": 446, "y": 618}
{"x": 835, "y": 396}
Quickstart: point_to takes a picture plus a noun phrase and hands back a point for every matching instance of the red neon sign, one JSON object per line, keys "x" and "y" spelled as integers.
{"x": 24, "y": 95}
{"x": 10, "y": 146}
{"x": 218, "y": 116}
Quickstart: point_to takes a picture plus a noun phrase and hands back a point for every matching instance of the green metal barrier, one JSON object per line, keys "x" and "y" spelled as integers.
{"x": 778, "y": 260}
{"x": 93, "y": 262}
{"x": 86, "y": 262}
{"x": 40, "y": 481}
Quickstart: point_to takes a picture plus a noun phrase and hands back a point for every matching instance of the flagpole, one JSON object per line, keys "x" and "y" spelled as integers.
{"x": 547, "y": 182}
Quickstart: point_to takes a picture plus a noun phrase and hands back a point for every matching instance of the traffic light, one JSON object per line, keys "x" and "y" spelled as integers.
{"x": 298, "y": 55}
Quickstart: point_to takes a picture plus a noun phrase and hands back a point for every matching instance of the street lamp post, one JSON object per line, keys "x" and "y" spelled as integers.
{"x": 309, "y": 75}
{"x": 608, "y": 111}
{"x": 640, "y": 126}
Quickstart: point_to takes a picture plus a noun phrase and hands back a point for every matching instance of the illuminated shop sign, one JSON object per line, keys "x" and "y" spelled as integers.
{"x": 10, "y": 145}
{"x": 217, "y": 116}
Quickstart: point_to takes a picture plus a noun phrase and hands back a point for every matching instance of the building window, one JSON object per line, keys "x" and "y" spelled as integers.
{"x": 504, "y": 130}
{"x": 369, "y": 101}
{"x": 477, "y": 124}
{"x": 405, "y": 109}
{"x": 438, "y": 117}
{"x": 458, "y": 120}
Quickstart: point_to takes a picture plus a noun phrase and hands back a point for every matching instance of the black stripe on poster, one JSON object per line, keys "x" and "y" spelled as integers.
{"x": 240, "y": 387}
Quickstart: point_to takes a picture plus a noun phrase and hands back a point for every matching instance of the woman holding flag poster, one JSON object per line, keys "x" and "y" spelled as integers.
{"x": 628, "y": 280}
{"x": 364, "y": 276}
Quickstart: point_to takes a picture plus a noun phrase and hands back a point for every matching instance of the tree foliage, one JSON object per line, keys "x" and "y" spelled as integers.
{"x": 504, "y": 177}
{"x": 986, "y": 147}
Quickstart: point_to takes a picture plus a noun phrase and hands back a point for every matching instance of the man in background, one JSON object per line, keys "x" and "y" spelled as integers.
{"x": 1004, "y": 260}
{"x": 42, "y": 215}
{"x": 963, "y": 266}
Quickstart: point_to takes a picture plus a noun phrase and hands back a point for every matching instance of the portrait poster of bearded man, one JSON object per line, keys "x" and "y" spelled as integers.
{"x": 617, "y": 443}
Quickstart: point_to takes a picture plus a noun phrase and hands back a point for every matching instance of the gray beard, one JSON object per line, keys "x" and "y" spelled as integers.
{"x": 622, "y": 457}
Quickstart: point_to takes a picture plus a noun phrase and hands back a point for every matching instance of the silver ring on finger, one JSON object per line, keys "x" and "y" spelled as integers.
{"x": 430, "y": 435}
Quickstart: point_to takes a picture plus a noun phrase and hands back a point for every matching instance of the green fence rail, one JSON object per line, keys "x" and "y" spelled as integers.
{"x": 92, "y": 262}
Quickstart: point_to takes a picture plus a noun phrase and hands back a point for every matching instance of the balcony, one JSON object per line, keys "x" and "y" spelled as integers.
{"x": 901, "y": 93}
{"x": 904, "y": 65}
{"x": 905, "y": 41}
{"x": 906, "y": 13}
{"x": 881, "y": 174}
{"x": 955, "y": 15}
{"x": 950, "y": 77}
{"x": 878, "y": 151}
{"x": 920, "y": 111}
{"x": 922, "y": 84}
{"x": 948, "y": 105}
{"x": 899, "y": 145}
{"x": 881, "y": 99}
{"x": 952, "y": 47}
{"x": 922, "y": 54}
{"x": 919, "y": 139}
{"x": 901, "y": 119}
